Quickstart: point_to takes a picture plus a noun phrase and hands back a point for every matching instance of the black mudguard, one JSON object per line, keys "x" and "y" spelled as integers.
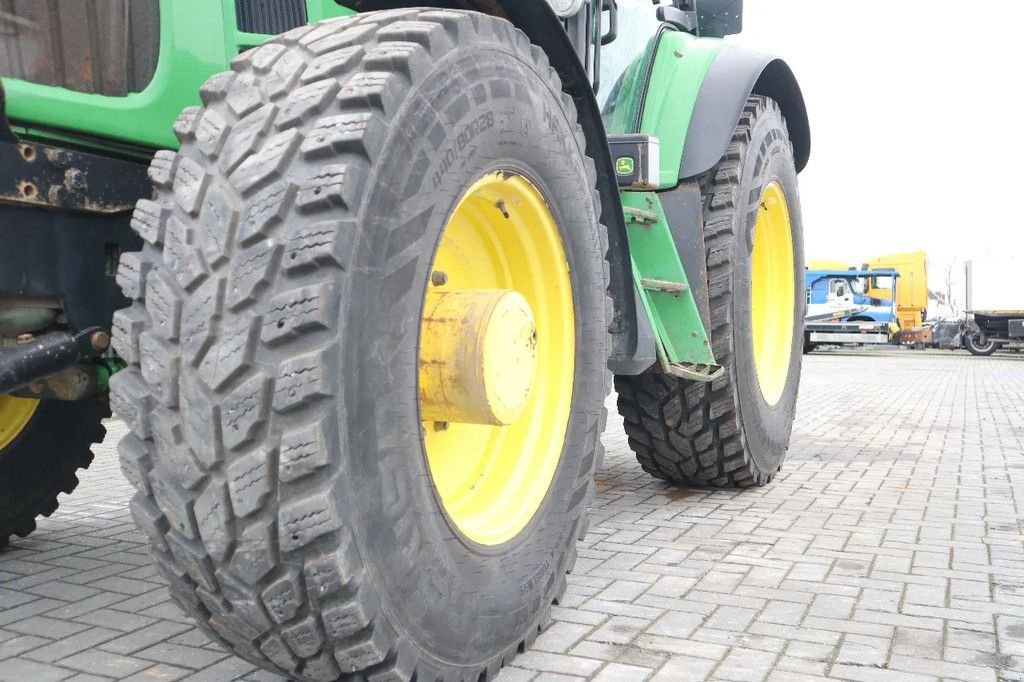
{"x": 736, "y": 74}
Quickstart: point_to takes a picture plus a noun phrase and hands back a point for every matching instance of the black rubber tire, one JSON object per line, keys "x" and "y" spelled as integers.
{"x": 724, "y": 433}
{"x": 42, "y": 462}
{"x": 809, "y": 346}
{"x": 271, "y": 393}
{"x": 971, "y": 344}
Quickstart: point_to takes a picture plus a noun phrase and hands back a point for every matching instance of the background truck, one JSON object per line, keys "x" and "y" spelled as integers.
{"x": 994, "y": 305}
{"x": 382, "y": 265}
{"x": 911, "y": 288}
{"x": 911, "y": 295}
{"x": 840, "y": 309}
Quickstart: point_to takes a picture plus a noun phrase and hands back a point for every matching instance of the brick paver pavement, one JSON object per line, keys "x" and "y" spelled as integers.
{"x": 891, "y": 547}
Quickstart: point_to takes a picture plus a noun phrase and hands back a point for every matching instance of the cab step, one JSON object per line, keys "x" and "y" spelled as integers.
{"x": 683, "y": 347}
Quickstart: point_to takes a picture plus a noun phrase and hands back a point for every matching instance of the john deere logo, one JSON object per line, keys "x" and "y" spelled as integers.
{"x": 625, "y": 165}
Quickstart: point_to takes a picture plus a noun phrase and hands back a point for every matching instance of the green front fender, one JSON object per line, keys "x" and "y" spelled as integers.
{"x": 689, "y": 92}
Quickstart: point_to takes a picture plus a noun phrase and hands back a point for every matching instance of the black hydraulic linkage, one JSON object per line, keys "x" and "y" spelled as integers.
{"x": 48, "y": 354}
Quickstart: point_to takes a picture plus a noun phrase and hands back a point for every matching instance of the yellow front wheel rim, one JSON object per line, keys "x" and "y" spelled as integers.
{"x": 773, "y": 289}
{"x": 15, "y": 414}
{"x": 500, "y": 271}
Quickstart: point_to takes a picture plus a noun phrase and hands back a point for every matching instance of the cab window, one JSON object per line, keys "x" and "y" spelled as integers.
{"x": 638, "y": 23}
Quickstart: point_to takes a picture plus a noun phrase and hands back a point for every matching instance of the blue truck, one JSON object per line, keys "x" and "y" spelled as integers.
{"x": 839, "y": 311}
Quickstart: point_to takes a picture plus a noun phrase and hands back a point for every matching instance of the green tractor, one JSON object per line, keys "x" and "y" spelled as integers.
{"x": 379, "y": 264}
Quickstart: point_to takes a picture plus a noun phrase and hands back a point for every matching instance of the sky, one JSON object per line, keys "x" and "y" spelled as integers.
{"x": 916, "y": 111}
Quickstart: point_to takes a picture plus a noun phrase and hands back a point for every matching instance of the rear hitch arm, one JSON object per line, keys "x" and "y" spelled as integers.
{"x": 48, "y": 354}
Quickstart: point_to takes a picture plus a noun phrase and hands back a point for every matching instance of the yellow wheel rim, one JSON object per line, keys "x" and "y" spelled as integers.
{"x": 15, "y": 414}
{"x": 773, "y": 289}
{"x": 497, "y": 358}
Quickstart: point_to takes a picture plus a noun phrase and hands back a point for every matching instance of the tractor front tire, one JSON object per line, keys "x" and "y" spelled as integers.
{"x": 735, "y": 430}
{"x": 338, "y": 185}
{"x": 42, "y": 446}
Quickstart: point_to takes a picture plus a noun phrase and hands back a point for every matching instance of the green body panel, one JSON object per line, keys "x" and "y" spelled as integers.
{"x": 665, "y": 107}
{"x": 656, "y": 266}
{"x": 198, "y": 38}
{"x": 680, "y": 66}
{"x": 662, "y": 106}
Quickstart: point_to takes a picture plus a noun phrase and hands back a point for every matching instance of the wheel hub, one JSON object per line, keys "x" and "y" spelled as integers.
{"x": 496, "y": 358}
{"x": 773, "y": 291}
{"x": 478, "y": 357}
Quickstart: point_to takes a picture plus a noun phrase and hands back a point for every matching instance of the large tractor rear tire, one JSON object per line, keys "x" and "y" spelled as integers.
{"x": 42, "y": 446}
{"x": 735, "y": 430}
{"x": 368, "y": 349}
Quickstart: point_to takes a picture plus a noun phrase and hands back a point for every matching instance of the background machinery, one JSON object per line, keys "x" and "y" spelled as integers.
{"x": 382, "y": 264}
{"x": 840, "y": 311}
{"x": 995, "y": 311}
{"x": 911, "y": 295}
{"x": 911, "y": 288}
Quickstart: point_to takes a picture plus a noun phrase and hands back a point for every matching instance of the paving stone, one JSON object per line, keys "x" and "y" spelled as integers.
{"x": 621, "y": 653}
{"x": 513, "y": 674}
{"x": 619, "y": 672}
{"x": 19, "y": 644}
{"x": 864, "y": 650}
{"x": 67, "y": 646}
{"x": 684, "y": 668}
{"x": 105, "y": 663}
{"x": 27, "y": 610}
{"x": 47, "y": 627}
{"x": 888, "y": 548}
{"x": 186, "y": 656}
{"x": 557, "y": 663}
{"x": 116, "y": 620}
{"x": 230, "y": 668}
{"x": 676, "y": 624}
{"x": 146, "y": 637}
{"x": 944, "y": 669}
{"x": 559, "y": 637}
{"x": 619, "y": 630}
{"x": 23, "y": 670}
{"x": 161, "y": 672}
{"x": 745, "y": 665}
{"x": 63, "y": 590}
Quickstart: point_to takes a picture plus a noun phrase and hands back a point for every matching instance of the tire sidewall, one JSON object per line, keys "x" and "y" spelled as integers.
{"x": 769, "y": 157}
{"x": 470, "y": 602}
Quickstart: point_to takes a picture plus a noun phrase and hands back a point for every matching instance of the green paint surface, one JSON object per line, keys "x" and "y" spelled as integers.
{"x": 674, "y": 315}
{"x": 680, "y": 66}
{"x": 198, "y": 38}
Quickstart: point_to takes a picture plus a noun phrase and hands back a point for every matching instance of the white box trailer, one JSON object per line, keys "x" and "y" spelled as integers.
{"x": 993, "y": 284}
{"x": 994, "y": 304}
